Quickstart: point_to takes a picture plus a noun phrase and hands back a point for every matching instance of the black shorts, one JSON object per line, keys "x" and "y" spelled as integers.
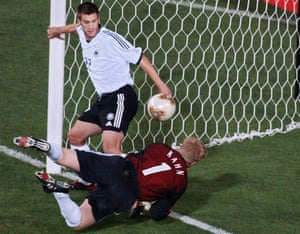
{"x": 117, "y": 186}
{"x": 113, "y": 111}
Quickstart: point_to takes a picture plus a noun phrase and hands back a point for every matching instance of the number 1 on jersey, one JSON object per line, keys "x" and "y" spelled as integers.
{"x": 156, "y": 169}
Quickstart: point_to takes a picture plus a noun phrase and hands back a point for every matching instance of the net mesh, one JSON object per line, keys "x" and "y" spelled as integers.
{"x": 230, "y": 65}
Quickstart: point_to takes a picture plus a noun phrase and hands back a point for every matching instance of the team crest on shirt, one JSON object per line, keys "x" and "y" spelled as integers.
{"x": 96, "y": 53}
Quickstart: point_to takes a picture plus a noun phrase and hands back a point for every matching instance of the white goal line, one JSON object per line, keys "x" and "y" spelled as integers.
{"x": 196, "y": 223}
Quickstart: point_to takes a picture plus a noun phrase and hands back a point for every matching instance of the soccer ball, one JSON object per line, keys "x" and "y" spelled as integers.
{"x": 160, "y": 107}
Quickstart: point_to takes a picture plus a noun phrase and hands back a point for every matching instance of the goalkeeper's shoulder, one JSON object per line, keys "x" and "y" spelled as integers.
{"x": 160, "y": 209}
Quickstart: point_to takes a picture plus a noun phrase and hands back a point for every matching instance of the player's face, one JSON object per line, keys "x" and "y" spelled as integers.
{"x": 90, "y": 25}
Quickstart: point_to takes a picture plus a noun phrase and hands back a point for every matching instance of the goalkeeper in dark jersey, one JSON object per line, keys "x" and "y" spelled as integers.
{"x": 152, "y": 179}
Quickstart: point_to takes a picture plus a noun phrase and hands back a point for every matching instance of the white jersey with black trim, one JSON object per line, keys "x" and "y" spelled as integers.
{"x": 107, "y": 57}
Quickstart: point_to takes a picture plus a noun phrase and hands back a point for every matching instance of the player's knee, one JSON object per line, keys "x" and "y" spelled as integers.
{"x": 74, "y": 139}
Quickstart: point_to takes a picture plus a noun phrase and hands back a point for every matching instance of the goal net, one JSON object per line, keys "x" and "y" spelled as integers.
{"x": 230, "y": 64}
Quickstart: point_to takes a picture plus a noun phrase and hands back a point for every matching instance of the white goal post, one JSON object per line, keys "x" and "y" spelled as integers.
{"x": 231, "y": 66}
{"x": 56, "y": 82}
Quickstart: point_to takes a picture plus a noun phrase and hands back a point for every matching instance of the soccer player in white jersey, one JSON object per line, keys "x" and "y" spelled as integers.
{"x": 107, "y": 56}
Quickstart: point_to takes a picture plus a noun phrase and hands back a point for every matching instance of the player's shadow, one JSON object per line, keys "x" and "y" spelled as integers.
{"x": 199, "y": 190}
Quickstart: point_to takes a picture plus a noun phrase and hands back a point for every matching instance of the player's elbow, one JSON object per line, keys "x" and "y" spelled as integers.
{"x": 157, "y": 215}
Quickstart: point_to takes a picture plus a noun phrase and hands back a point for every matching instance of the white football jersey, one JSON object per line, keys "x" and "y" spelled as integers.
{"x": 107, "y": 57}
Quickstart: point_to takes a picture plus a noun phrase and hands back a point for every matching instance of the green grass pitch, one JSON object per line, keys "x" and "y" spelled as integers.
{"x": 243, "y": 187}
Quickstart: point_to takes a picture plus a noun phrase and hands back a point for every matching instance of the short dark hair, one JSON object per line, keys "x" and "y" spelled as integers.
{"x": 87, "y": 8}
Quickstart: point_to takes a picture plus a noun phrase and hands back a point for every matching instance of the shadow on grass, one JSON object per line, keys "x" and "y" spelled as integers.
{"x": 199, "y": 190}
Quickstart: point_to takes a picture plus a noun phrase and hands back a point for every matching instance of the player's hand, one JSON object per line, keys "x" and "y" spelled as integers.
{"x": 139, "y": 207}
{"x": 54, "y": 32}
{"x": 136, "y": 210}
{"x": 147, "y": 205}
{"x": 164, "y": 89}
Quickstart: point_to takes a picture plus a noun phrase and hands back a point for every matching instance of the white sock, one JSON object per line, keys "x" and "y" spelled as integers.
{"x": 68, "y": 209}
{"x": 84, "y": 147}
{"x": 55, "y": 152}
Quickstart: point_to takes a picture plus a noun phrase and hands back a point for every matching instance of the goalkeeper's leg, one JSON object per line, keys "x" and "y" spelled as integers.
{"x": 61, "y": 156}
{"x": 81, "y": 184}
{"x": 53, "y": 151}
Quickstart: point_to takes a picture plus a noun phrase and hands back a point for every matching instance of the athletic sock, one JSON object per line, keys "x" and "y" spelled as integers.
{"x": 55, "y": 153}
{"x": 68, "y": 209}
